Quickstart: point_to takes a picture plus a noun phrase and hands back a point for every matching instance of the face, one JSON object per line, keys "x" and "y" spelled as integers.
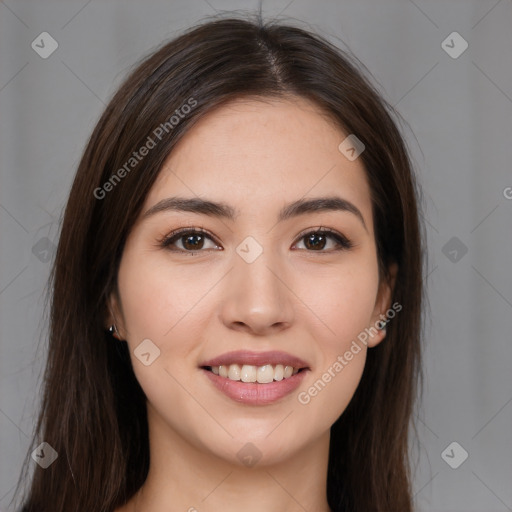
{"x": 249, "y": 273}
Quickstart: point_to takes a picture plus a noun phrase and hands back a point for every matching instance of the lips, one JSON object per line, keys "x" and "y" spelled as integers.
{"x": 242, "y": 357}
{"x": 255, "y": 378}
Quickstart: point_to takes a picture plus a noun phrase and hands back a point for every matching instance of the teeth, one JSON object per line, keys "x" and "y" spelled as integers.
{"x": 265, "y": 374}
{"x": 249, "y": 373}
{"x": 234, "y": 372}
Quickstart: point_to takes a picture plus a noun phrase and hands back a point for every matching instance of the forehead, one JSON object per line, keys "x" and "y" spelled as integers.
{"x": 259, "y": 154}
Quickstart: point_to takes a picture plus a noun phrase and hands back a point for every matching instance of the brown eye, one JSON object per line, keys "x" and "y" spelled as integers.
{"x": 189, "y": 240}
{"x": 193, "y": 242}
{"x": 315, "y": 241}
{"x": 319, "y": 240}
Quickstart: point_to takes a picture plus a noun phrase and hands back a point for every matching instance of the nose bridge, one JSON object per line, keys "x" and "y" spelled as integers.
{"x": 256, "y": 297}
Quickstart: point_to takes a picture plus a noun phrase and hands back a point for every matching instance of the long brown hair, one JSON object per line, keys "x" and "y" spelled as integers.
{"x": 93, "y": 411}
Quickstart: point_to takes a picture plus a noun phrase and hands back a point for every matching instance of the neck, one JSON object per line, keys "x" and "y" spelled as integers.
{"x": 186, "y": 478}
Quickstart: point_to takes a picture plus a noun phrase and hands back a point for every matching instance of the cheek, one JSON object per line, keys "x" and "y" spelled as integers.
{"x": 159, "y": 298}
{"x": 345, "y": 306}
{"x": 162, "y": 304}
{"x": 169, "y": 305}
{"x": 344, "y": 302}
{"x": 330, "y": 390}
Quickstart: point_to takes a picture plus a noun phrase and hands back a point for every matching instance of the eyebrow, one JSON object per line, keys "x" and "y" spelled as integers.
{"x": 223, "y": 210}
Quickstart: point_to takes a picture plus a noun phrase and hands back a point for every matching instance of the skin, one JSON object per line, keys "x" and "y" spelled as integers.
{"x": 256, "y": 156}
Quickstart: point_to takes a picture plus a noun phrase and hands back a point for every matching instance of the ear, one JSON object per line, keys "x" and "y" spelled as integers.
{"x": 114, "y": 316}
{"x": 382, "y": 305}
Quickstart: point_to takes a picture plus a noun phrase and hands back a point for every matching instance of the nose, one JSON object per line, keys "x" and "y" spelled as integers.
{"x": 256, "y": 297}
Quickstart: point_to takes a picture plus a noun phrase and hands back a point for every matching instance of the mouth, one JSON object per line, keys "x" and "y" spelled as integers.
{"x": 255, "y": 378}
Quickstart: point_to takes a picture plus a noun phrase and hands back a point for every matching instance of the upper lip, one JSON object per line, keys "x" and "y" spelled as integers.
{"x": 242, "y": 357}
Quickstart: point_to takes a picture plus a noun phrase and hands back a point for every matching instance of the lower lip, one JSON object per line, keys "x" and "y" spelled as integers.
{"x": 253, "y": 393}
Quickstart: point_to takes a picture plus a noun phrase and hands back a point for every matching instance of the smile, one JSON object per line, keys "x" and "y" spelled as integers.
{"x": 255, "y": 378}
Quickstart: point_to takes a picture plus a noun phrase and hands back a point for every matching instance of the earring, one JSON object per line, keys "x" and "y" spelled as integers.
{"x": 382, "y": 326}
{"x": 114, "y": 332}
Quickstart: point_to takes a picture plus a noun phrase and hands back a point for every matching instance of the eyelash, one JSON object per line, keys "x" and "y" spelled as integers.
{"x": 343, "y": 242}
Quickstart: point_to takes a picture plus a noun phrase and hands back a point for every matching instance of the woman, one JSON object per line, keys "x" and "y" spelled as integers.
{"x": 237, "y": 289}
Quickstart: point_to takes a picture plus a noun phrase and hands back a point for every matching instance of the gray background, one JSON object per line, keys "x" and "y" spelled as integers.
{"x": 459, "y": 113}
